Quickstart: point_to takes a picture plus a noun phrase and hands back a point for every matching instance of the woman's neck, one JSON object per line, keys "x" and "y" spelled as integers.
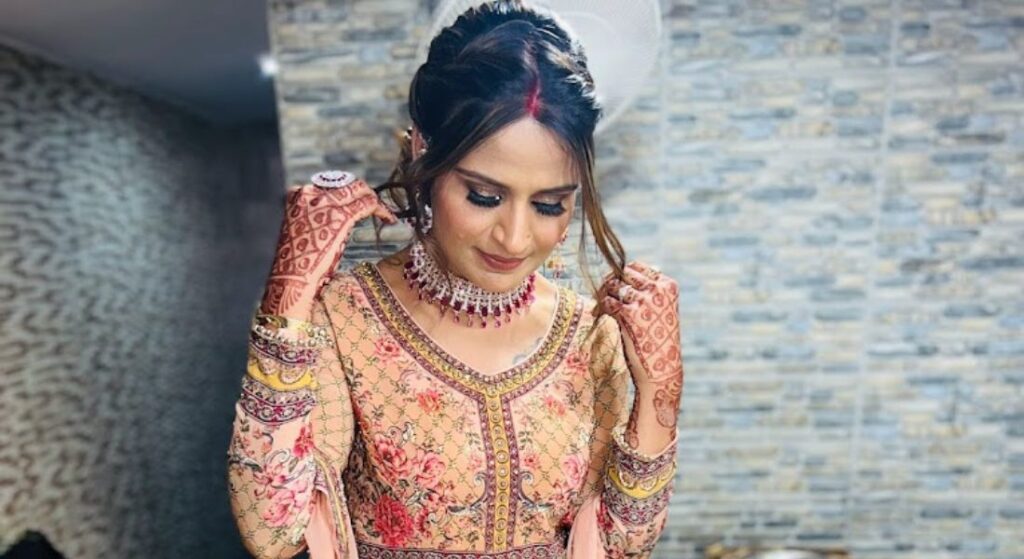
{"x": 391, "y": 267}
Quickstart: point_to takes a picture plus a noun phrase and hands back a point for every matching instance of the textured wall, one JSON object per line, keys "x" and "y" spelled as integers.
{"x": 134, "y": 242}
{"x": 839, "y": 189}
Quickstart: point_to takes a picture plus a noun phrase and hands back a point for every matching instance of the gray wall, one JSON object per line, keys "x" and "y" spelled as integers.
{"x": 839, "y": 189}
{"x": 135, "y": 240}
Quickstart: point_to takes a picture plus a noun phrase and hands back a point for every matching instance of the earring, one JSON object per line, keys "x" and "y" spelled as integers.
{"x": 409, "y": 137}
{"x": 555, "y": 265}
{"x": 428, "y": 219}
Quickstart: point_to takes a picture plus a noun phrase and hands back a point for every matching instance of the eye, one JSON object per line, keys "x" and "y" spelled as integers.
{"x": 549, "y": 209}
{"x": 481, "y": 200}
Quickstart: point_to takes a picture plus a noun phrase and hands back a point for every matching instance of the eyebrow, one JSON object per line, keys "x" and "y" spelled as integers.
{"x": 497, "y": 184}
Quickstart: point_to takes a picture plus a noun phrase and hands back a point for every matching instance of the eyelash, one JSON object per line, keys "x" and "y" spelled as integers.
{"x": 551, "y": 210}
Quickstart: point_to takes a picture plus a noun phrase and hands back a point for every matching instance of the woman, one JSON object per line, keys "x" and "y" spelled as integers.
{"x": 449, "y": 401}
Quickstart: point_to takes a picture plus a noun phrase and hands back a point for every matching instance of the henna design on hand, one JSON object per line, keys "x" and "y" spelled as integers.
{"x": 313, "y": 235}
{"x": 666, "y": 401}
{"x": 645, "y": 303}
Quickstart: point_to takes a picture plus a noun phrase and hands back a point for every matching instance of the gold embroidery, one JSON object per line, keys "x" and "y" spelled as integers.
{"x": 491, "y": 390}
{"x": 282, "y": 380}
{"x": 501, "y": 384}
{"x": 641, "y": 489}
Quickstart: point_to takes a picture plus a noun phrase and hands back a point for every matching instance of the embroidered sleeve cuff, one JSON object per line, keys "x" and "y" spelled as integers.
{"x": 638, "y": 486}
{"x": 632, "y": 510}
{"x": 634, "y": 456}
{"x": 274, "y": 407}
{"x": 288, "y": 341}
{"x": 283, "y": 354}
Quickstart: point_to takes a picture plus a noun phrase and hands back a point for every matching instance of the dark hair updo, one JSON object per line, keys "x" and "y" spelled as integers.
{"x": 496, "y": 64}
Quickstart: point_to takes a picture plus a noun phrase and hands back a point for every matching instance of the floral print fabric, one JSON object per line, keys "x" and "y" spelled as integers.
{"x": 410, "y": 449}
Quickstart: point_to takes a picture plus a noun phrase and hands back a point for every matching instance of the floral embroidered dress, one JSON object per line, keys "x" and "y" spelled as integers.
{"x": 382, "y": 444}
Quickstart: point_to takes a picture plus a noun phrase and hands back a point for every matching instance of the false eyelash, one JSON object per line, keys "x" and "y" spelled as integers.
{"x": 552, "y": 210}
{"x": 481, "y": 200}
{"x": 475, "y": 197}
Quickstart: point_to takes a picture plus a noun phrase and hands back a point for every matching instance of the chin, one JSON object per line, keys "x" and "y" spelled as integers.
{"x": 492, "y": 280}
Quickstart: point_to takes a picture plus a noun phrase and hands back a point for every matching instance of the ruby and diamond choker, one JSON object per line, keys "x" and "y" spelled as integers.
{"x": 467, "y": 300}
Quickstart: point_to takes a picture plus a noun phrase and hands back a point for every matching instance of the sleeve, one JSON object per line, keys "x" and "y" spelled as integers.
{"x": 625, "y": 500}
{"x": 293, "y": 420}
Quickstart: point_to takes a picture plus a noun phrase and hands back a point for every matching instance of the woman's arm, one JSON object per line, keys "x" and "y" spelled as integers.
{"x": 282, "y": 485}
{"x": 277, "y": 477}
{"x": 629, "y": 487}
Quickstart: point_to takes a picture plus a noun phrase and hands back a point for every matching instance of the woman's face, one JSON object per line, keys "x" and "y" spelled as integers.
{"x": 512, "y": 197}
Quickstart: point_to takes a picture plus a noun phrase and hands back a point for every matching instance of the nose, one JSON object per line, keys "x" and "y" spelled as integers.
{"x": 513, "y": 231}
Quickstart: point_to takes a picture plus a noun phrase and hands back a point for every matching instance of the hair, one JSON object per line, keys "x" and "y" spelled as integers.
{"x": 497, "y": 63}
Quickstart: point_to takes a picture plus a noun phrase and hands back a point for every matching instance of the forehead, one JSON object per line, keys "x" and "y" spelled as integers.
{"x": 525, "y": 155}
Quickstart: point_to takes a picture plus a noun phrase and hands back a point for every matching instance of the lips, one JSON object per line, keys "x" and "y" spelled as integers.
{"x": 500, "y": 264}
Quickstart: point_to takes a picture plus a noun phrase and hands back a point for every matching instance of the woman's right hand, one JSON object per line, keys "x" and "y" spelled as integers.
{"x": 316, "y": 226}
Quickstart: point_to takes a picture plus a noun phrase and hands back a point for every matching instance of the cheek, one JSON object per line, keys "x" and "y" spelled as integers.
{"x": 552, "y": 233}
{"x": 458, "y": 217}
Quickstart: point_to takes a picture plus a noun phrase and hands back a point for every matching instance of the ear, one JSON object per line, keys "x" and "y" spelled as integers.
{"x": 417, "y": 142}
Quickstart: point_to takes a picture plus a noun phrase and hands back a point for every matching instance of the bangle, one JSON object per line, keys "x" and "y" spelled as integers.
{"x": 618, "y": 435}
{"x": 268, "y": 327}
{"x": 284, "y": 353}
{"x": 638, "y": 474}
{"x": 640, "y": 488}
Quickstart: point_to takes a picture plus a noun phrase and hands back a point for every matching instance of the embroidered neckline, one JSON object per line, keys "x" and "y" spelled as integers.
{"x": 492, "y": 394}
{"x": 401, "y": 324}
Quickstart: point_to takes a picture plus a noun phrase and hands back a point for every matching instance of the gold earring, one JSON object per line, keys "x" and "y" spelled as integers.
{"x": 555, "y": 265}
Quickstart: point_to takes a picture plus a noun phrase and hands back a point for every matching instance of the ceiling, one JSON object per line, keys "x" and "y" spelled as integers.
{"x": 198, "y": 54}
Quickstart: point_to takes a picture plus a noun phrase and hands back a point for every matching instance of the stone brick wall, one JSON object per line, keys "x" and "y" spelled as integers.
{"x": 839, "y": 189}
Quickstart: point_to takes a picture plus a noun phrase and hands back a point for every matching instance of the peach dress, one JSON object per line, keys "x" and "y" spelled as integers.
{"x": 383, "y": 445}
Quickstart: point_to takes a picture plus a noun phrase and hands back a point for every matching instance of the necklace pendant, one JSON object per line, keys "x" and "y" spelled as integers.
{"x": 466, "y": 300}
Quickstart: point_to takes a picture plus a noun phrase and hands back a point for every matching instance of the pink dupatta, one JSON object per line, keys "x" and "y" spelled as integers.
{"x": 320, "y": 534}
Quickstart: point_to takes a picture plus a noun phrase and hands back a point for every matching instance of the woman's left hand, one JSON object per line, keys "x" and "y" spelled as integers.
{"x": 645, "y": 304}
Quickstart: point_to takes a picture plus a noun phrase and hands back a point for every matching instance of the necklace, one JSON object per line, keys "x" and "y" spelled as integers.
{"x": 449, "y": 291}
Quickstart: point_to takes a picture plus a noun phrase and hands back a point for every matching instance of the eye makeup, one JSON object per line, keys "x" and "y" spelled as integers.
{"x": 481, "y": 200}
{"x": 474, "y": 197}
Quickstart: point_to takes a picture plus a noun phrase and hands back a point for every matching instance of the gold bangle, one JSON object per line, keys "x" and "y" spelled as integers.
{"x": 282, "y": 381}
{"x": 641, "y": 489}
{"x": 281, "y": 322}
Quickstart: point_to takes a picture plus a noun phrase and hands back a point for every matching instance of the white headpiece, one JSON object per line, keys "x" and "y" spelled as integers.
{"x": 621, "y": 40}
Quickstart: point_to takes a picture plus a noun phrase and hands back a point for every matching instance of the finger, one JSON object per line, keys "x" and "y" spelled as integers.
{"x": 343, "y": 194}
{"x": 358, "y": 188}
{"x": 611, "y": 287}
{"x": 367, "y": 205}
{"x": 612, "y": 306}
{"x": 611, "y": 278}
{"x": 647, "y": 269}
{"x": 628, "y": 294}
{"x": 611, "y": 275}
{"x": 385, "y": 213}
{"x": 292, "y": 193}
{"x": 625, "y": 292}
{"x": 639, "y": 280}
